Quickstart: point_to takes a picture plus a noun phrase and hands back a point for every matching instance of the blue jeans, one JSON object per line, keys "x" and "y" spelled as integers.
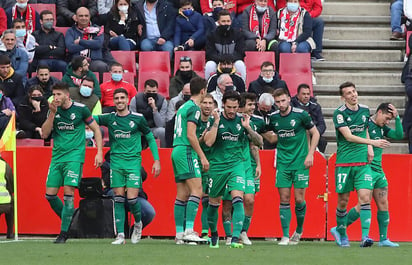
{"x": 151, "y": 45}
{"x": 121, "y": 43}
{"x": 302, "y": 47}
{"x": 396, "y": 15}
{"x": 55, "y": 65}
{"x": 317, "y": 29}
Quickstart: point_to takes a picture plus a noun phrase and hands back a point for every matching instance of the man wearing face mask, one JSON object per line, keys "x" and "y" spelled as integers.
{"x": 183, "y": 76}
{"x": 42, "y": 79}
{"x": 225, "y": 40}
{"x": 84, "y": 94}
{"x": 268, "y": 77}
{"x": 153, "y": 107}
{"x": 226, "y": 66}
{"x": 51, "y": 49}
{"x": 210, "y": 13}
{"x": 116, "y": 81}
{"x": 183, "y": 95}
{"x": 25, "y": 12}
{"x": 224, "y": 84}
{"x": 24, "y": 39}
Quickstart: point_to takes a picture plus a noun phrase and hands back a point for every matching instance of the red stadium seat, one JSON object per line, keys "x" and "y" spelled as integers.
{"x": 127, "y": 59}
{"x": 158, "y": 61}
{"x": 57, "y": 75}
{"x": 162, "y": 79}
{"x": 97, "y": 76}
{"x": 61, "y": 29}
{"x": 198, "y": 61}
{"x": 29, "y": 142}
{"x": 253, "y": 61}
{"x": 40, "y": 7}
{"x": 407, "y": 42}
{"x": 295, "y": 69}
{"x": 127, "y": 76}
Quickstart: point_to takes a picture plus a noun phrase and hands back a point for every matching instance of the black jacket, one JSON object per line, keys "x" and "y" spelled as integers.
{"x": 129, "y": 30}
{"x": 53, "y": 38}
{"x": 67, "y": 8}
{"x": 258, "y": 86}
{"x": 13, "y": 88}
{"x": 47, "y": 92}
{"x": 230, "y": 42}
{"x": 314, "y": 110}
{"x": 238, "y": 82}
{"x": 29, "y": 120}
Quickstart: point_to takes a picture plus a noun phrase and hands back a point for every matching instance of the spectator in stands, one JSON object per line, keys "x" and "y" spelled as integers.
{"x": 24, "y": 39}
{"x": 3, "y": 21}
{"x": 103, "y": 9}
{"x": 6, "y": 109}
{"x": 295, "y": 29}
{"x": 183, "y": 95}
{"x": 224, "y": 83}
{"x": 259, "y": 27}
{"x": 407, "y": 11}
{"x": 87, "y": 40}
{"x": 33, "y": 113}
{"x": 158, "y": 27}
{"x": 304, "y": 101}
{"x": 123, "y": 26}
{"x": 210, "y": 17}
{"x": 265, "y": 107}
{"x": 6, "y": 4}
{"x": 226, "y": 66}
{"x": 66, "y": 11}
{"x": 170, "y": 125}
{"x": 18, "y": 57}
{"x": 116, "y": 81}
{"x": 6, "y": 201}
{"x": 77, "y": 70}
{"x": 208, "y": 5}
{"x": 11, "y": 81}
{"x": 153, "y": 107}
{"x": 51, "y": 49}
{"x": 42, "y": 1}
{"x": 225, "y": 40}
{"x": 42, "y": 79}
{"x": 241, "y": 5}
{"x": 183, "y": 75}
{"x": 84, "y": 94}
{"x": 396, "y": 16}
{"x": 268, "y": 77}
{"x": 189, "y": 29}
{"x": 25, "y": 12}
{"x": 407, "y": 117}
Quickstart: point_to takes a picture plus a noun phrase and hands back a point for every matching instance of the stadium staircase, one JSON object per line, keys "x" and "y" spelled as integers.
{"x": 357, "y": 48}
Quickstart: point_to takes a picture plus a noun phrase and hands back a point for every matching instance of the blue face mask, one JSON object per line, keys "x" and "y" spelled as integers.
{"x": 292, "y": 7}
{"x": 86, "y": 91}
{"x": 188, "y": 12}
{"x": 89, "y": 134}
{"x": 20, "y": 32}
{"x": 117, "y": 77}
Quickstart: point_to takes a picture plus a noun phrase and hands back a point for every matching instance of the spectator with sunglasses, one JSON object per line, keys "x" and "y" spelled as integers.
{"x": 183, "y": 75}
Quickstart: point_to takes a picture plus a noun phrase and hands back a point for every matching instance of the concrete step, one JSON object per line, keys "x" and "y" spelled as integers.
{"x": 377, "y": 66}
{"x": 363, "y": 44}
{"x": 356, "y": 8}
{"x": 357, "y": 33}
{"x": 376, "y": 90}
{"x": 371, "y": 101}
{"x": 354, "y": 55}
{"x": 352, "y": 21}
{"x": 358, "y": 78}
{"x": 395, "y": 148}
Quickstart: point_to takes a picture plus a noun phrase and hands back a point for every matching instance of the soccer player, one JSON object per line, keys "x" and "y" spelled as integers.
{"x": 378, "y": 129}
{"x": 354, "y": 151}
{"x": 66, "y": 121}
{"x": 294, "y": 157}
{"x": 125, "y": 131}
{"x": 185, "y": 158}
{"x": 228, "y": 136}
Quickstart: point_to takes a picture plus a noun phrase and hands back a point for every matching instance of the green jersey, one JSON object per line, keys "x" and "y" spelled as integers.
{"x": 203, "y": 125}
{"x": 292, "y": 147}
{"x": 125, "y": 138}
{"x": 69, "y": 138}
{"x": 357, "y": 122}
{"x": 376, "y": 132}
{"x": 188, "y": 112}
{"x": 259, "y": 126}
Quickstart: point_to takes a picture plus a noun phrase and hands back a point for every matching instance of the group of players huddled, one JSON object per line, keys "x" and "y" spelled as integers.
{"x": 215, "y": 158}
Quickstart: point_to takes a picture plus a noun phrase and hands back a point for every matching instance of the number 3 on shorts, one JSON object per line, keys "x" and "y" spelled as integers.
{"x": 210, "y": 183}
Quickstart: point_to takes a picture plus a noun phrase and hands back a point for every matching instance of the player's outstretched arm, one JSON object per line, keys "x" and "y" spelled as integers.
{"x": 191, "y": 136}
{"x": 98, "y": 160}
{"x": 48, "y": 124}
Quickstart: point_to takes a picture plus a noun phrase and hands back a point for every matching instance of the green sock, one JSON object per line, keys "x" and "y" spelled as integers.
{"x": 300, "y": 211}
{"x": 135, "y": 209}
{"x": 285, "y": 216}
{"x": 246, "y": 223}
{"x": 341, "y": 220}
{"x": 238, "y": 216}
{"x": 56, "y": 204}
{"x": 365, "y": 217}
{"x": 67, "y": 213}
{"x": 119, "y": 213}
{"x": 191, "y": 211}
{"x": 227, "y": 226}
{"x": 353, "y": 215}
{"x": 205, "y": 204}
{"x": 383, "y": 222}
{"x": 212, "y": 216}
{"x": 179, "y": 212}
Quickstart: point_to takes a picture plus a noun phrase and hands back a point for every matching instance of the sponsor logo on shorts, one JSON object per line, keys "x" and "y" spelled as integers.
{"x": 121, "y": 134}
{"x": 339, "y": 186}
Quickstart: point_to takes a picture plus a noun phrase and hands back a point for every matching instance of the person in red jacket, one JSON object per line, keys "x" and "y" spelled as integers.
{"x": 3, "y": 21}
{"x": 107, "y": 88}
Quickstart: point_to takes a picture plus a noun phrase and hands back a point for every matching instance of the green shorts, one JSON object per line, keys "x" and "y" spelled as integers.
{"x": 249, "y": 181}
{"x": 234, "y": 178}
{"x": 256, "y": 180}
{"x": 356, "y": 177}
{"x": 379, "y": 180}
{"x": 129, "y": 178}
{"x": 227, "y": 196}
{"x": 64, "y": 174}
{"x": 185, "y": 163}
{"x": 286, "y": 177}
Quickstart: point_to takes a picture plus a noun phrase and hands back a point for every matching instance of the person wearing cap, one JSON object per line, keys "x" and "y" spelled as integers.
{"x": 226, "y": 66}
{"x": 183, "y": 76}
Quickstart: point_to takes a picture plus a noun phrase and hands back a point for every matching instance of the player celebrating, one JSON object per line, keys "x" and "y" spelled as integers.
{"x": 378, "y": 129}
{"x": 125, "y": 131}
{"x": 294, "y": 157}
{"x": 354, "y": 151}
{"x": 66, "y": 120}
{"x": 185, "y": 158}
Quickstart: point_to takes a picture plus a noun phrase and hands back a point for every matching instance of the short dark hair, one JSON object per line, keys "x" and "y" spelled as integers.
{"x": 4, "y": 59}
{"x": 17, "y": 20}
{"x": 232, "y": 95}
{"x": 36, "y": 87}
{"x": 223, "y": 2}
{"x": 77, "y": 62}
{"x": 151, "y": 83}
{"x": 266, "y": 64}
{"x": 280, "y": 91}
{"x": 345, "y": 85}
{"x": 302, "y": 86}
{"x": 197, "y": 84}
{"x": 61, "y": 86}
{"x": 384, "y": 107}
{"x": 185, "y": 2}
{"x": 223, "y": 12}
{"x": 45, "y": 12}
{"x": 120, "y": 90}
{"x": 88, "y": 78}
{"x": 42, "y": 66}
{"x": 246, "y": 96}
{"x": 226, "y": 58}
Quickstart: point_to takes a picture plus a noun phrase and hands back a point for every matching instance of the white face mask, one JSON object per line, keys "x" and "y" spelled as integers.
{"x": 124, "y": 9}
{"x": 261, "y": 9}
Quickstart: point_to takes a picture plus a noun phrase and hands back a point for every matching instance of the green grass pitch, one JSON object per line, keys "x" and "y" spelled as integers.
{"x": 164, "y": 251}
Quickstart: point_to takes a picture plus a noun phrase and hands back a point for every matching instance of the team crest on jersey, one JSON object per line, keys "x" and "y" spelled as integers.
{"x": 72, "y": 116}
{"x": 131, "y": 124}
{"x": 363, "y": 118}
{"x": 339, "y": 118}
{"x": 293, "y": 123}
{"x": 238, "y": 127}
